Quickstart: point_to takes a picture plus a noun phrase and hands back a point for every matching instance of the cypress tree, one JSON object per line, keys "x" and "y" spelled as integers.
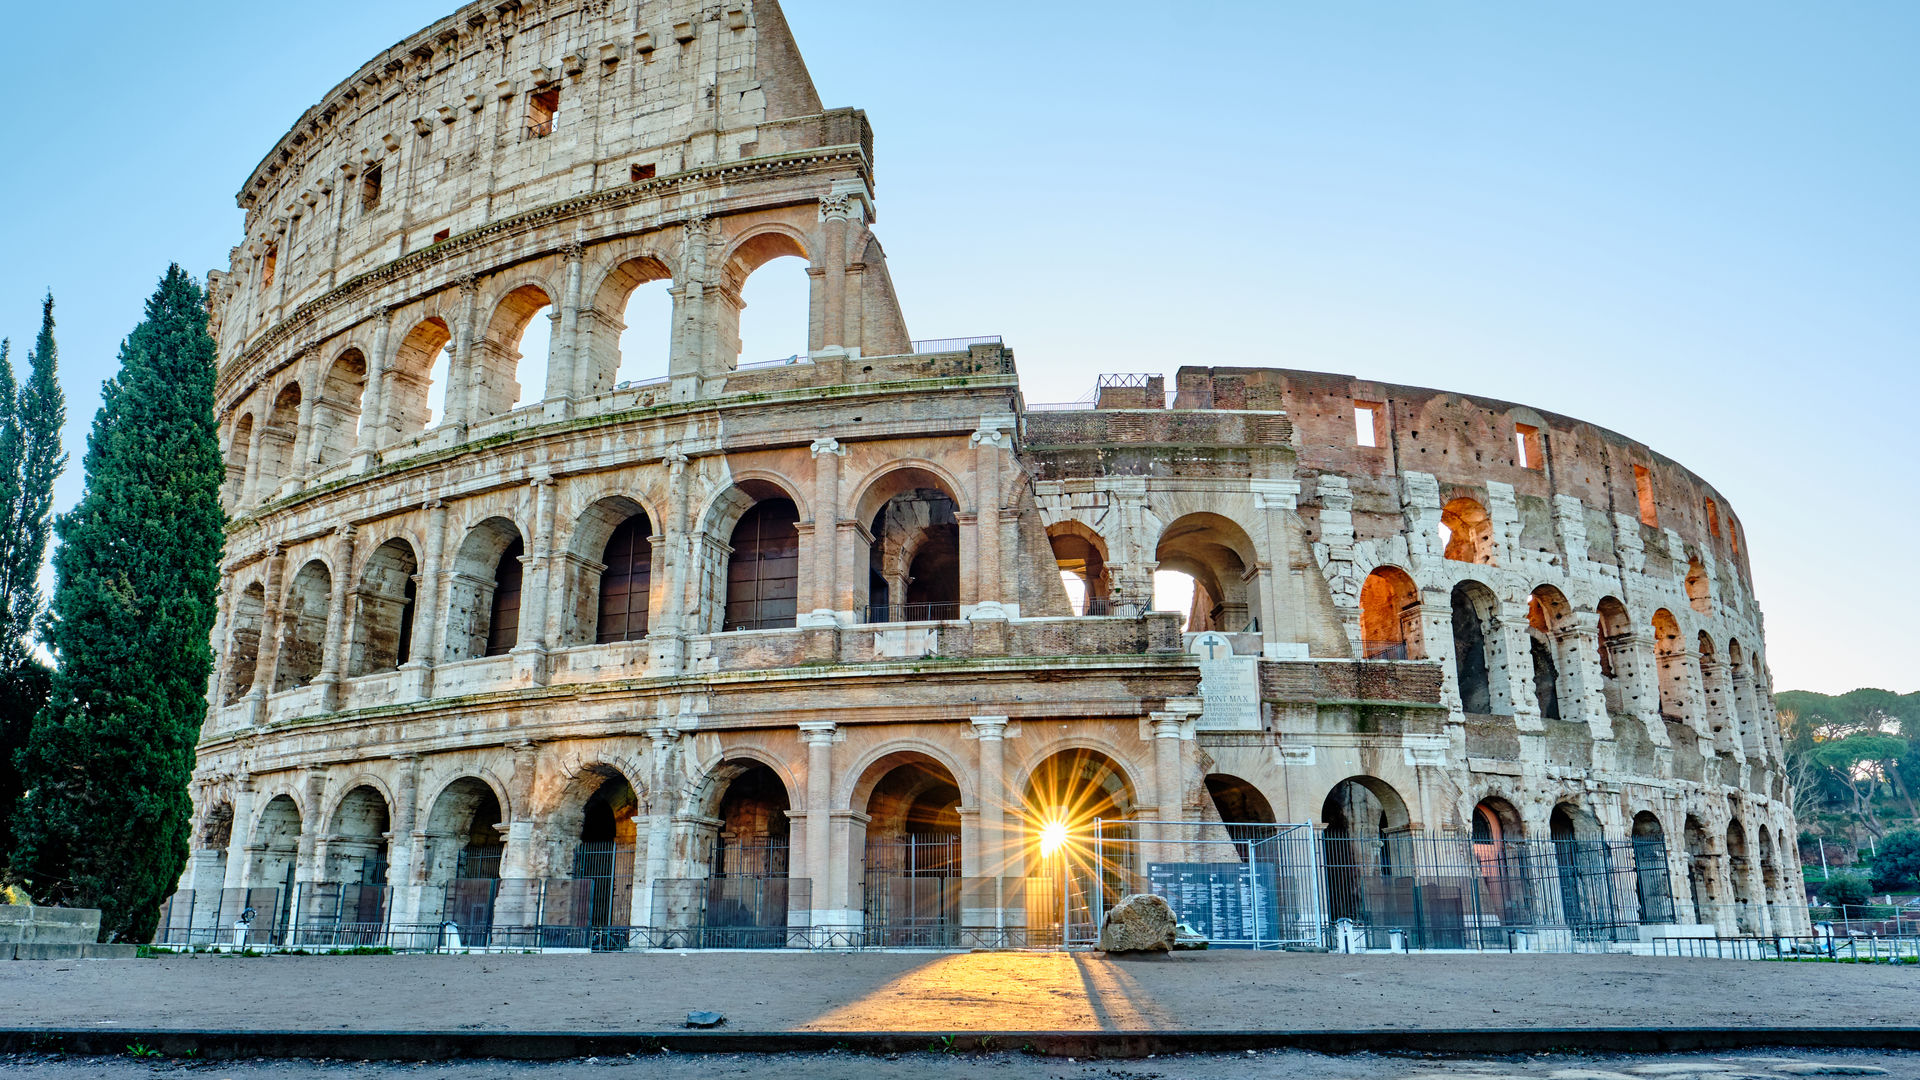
{"x": 105, "y": 818}
{"x": 12, "y": 461}
{"x": 40, "y": 414}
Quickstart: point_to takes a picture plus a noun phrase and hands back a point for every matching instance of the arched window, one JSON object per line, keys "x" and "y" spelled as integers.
{"x": 503, "y": 621}
{"x": 303, "y": 646}
{"x": 276, "y": 442}
{"x": 1467, "y": 532}
{"x": 336, "y": 416}
{"x": 763, "y": 573}
{"x": 1549, "y": 618}
{"x": 1217, "y": 555}
{"x": 1390, "y": 616}
{"x": 626, "y": 583}
{"x": 1481, "y": 678}
{"x": 1653, "y": 883}
{"x": 1081, "y": 559}
{"x": 473, "y": 588}
{"x": 243, "y": 649}
{"x": 913, "y": 567}
{"x": 238, "y": 446}
{"x": 416, "y": 379}
{"x": 773, "y": 319}
{"x": 383, "y": 622}
{"x": 629, "y": 337}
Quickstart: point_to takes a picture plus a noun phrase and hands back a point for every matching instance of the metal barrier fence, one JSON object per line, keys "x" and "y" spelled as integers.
{"x": 1244, "y": 885}
{"x": 1870, "y": 949}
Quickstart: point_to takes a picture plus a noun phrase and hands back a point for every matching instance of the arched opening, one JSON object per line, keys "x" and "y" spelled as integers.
{"x": 245, "y": 622}
{"x": 1701, "y": 882}
{"x": 1218, "y": 555}
{"x": 463, "y": 851}
{"x": 415, "y": 389}
{"x": 486, "y": 567}
{"x": 596, "y": 841}
{"x": 304, "y": 641}
{"x": 1549, "y": 628}
{"x": 763, "y": 572}
{"x": 348, "y": 903}
{"x": 627, "y": 336}
{"x": 212, "y": 841}
{"x": 1673, "y": 667}
{"x": 1718, "y": 695}
{"x": 747, "y": 897}
{"x": 1476, "y": 657}
{"x": 627, "y": 582}
{"x": 1081, "y": 557}
{"x": 1243, "y": 809}
{"x": 913, "y": 564}
{"x": 1770, "y": 884}
{"x": 1390, "y": 616}
{"x": 382, "y": 637}
{"x": 1616, "y": 643}
{"x": 336, "y": 416}
{"x": 238, "y": 446}
{"x": 1466, "y": 532}
{"x": 1738, "y": 869}
{"x": 1367, "y": 855}
{"x": 1580, "y": 856}
{"x": 510, "y": 364}
{"x": 1652, "y": 881}
{"x": 1176, "y": 590}
{"x": 1500, "y": 861}
{"x": 770, "y": 316}
{"x": 1697, "y": 586}
{"x": 1072, "y": 798}
{"x": 274, "y": 851}
{"x": 911, "y": 890}
{"x": 276, "y": 442}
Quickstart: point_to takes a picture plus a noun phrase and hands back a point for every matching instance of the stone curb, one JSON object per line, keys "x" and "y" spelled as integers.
{"x": 557, "y": 1045}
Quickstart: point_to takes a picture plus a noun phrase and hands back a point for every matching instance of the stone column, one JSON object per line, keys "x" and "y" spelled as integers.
{"x": 819, "y": 737}
{"x": 693, "y": 336}
{"x": 1516, "y": 657}
{"x": 249, "y": 492}
{"x": 991, "y": 858}
{"x": 660, "y": 810}
{"x": 267, "y": 659}
{"x": 331, "y": 658}
{"x": 988, "y": 591}
{"x": 404, "y": 844}
{"x": 565, "y": 371}
{"x": 456, "y": 406}
{"x": 222, "y": 647}
{"x": 308, "y": 861}
{"x": 531, "y": 648}
{"x": 834, "y": 213}
{"x": 1170, "y": 729}
{"x": 373, "y": 401}
{"x": 300, "y": 463}
{"x": 517, "y": 903}
{"x": 667, "y": 634}
{"x": 825, "y": 572}
{"x": 1580, "y": 656}
{"x": 243, "y": 798}
{"x": 428, "y": 608}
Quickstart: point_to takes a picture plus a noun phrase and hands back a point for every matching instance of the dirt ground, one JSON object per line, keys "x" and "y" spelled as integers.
{"x": 948, "y": 993}
{"x": 1282, "y": 1065}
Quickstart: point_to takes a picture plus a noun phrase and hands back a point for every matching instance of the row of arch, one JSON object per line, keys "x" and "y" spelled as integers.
{"x": 606, "y": 591}
{"x": 912, "y": 799}
{"x": 365, "y": 397}
{"x": 1466, "y": 535}
{"x": 1558, "y": 639}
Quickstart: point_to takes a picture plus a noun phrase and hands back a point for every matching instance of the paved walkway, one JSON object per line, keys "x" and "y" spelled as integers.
{"x": 951, "y": 993}
{"x": 1283, "y": 1065}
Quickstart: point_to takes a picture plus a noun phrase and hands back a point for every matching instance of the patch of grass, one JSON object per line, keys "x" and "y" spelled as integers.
{"x": 142, "y": 1050}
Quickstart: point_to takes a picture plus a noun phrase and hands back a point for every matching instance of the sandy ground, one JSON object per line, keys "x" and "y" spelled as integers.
{"x": 950, "y": 993}
{"x": 1290, "y": 1065}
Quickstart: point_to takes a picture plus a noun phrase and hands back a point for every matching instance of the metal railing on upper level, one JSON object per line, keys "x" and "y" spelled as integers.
{"x": 954, "y": 344}
{"x": 931, "y": 612}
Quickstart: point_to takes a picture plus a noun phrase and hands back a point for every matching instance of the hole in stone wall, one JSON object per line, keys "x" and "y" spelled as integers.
{"x": 1369, "y": 423}
{"x": 776, "y": 305}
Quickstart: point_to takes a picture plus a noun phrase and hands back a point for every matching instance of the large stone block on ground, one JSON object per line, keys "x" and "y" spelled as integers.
{"x": 1139, "y": 923}
{"x": 48, "y": 925}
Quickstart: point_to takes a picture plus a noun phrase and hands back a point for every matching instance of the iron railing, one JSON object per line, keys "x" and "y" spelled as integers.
{"x": 953, "y": 344}
{"x": 939, "y": 611}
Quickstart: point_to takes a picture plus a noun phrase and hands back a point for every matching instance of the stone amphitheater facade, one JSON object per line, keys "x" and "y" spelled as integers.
{"x": 763, "y": 621}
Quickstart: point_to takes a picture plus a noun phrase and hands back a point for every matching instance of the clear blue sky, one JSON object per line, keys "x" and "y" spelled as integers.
{"x": 1697, "y": 224}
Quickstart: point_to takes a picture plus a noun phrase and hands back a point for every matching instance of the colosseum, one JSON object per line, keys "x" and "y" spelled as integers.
{"x": 859, "y": 647}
